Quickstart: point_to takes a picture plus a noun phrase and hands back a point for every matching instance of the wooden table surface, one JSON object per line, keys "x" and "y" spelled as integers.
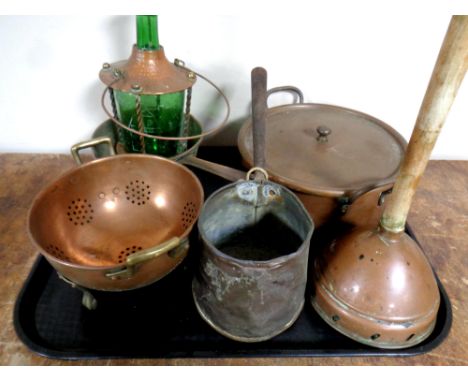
{"x": 439, "y": 217}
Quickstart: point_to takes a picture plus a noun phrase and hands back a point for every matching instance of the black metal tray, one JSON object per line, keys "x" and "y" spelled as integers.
{"x": 161, "y": 321}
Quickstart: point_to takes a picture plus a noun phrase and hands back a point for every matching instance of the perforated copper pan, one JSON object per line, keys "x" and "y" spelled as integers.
{"x": 116, "y": 223}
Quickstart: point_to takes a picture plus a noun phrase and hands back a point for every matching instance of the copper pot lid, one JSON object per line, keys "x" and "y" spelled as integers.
{"x": 149, "y": 71}
{"x": 326, "y": 150}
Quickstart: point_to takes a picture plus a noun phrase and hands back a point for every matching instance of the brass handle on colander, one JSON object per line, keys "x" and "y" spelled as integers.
{"x": 143, "y": 256}
{"x": 75, "y": 149}
{"x": 151, "y": 253}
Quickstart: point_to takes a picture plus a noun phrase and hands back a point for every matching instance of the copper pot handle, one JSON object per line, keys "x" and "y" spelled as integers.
{"x": 290, "y": 89}
{"x": 224, "y": 172}
{"x": 143, "y": 256}
{"x": 76, "y": 148}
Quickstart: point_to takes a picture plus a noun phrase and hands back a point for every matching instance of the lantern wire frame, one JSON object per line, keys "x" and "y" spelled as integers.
{"x": 180, "y": 64}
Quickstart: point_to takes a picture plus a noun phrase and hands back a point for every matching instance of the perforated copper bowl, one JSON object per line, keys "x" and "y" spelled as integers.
{"x": 117, "y": 223}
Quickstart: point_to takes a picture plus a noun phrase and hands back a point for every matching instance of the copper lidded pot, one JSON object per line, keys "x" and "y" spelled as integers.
{"x": 339, "y": 162}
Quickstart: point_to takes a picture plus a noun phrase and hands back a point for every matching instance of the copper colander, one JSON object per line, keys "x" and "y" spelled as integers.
{"x": 117, "y": 223}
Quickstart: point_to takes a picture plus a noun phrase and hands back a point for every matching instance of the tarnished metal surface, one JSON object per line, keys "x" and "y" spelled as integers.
{"x": 377, "y": 288}
{"x": 254, "y": 293}
{"x": 364, "y": 210}
{"x": 256, "y": 235}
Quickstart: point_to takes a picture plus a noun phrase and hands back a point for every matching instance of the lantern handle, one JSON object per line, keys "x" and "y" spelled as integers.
{"x": 180, "y": 64}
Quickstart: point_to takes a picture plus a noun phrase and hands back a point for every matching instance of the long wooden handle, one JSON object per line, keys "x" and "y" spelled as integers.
{"x": 447, "y": 76}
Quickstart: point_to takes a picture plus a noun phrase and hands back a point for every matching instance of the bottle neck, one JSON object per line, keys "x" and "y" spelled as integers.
{"x": 147, "y": 32}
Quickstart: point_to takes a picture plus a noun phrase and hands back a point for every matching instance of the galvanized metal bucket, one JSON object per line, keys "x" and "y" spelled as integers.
{"x": 248, "y": 289}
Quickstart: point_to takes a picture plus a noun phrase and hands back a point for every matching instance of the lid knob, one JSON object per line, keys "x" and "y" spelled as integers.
{"x": 323, "y": 133}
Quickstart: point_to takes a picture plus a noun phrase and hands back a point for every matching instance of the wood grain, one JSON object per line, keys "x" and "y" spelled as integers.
{"x": 445, "y": 81}
{"x": 439, "y": 217}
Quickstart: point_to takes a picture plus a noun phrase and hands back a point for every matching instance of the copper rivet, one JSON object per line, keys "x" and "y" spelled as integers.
{"x": 191, "y": 75}
{"x": 136, "y": 88}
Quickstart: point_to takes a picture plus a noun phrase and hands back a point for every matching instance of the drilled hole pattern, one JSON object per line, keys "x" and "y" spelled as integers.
{"x": 80, "y": 212}
{"x": 138, "y": 192}
{"x": 188, "y": 214}
{"x": 127, "y": 252}
{"x": 57, "y": 252}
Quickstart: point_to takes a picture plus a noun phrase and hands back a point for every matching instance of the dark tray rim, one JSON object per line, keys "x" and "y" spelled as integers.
{"x": 262, "y": 350}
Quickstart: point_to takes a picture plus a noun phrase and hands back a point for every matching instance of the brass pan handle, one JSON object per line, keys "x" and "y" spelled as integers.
{"x": 143, "y": 256}
{"x": 76, "y": 148}
{"x": 151, "y": 253}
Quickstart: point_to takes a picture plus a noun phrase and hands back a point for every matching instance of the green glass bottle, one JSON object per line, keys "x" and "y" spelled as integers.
{"x": 161, "y": 114}
{"x": 147, "y": 32}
